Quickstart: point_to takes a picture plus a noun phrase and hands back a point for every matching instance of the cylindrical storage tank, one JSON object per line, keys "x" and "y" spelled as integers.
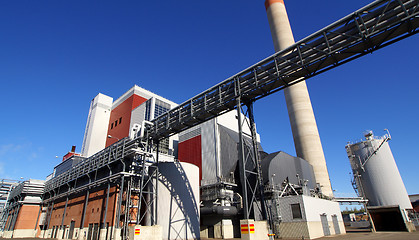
{"x": 376, "y": 174}
{"x": 178, "y": 200}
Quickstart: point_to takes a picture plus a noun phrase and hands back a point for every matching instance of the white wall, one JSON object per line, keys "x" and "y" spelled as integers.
{"x": 178, "y": 212}
{"x": 96, "y": 131}
{"x": 314, "y": 207}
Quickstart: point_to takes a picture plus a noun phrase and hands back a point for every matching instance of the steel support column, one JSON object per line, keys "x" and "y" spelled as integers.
{"x": 37, "y": 218}
{"x": 257, "y": 160}
{"x": 65, "y": 210}
{"x": 17, "y": 214}
{"x": 86, "y": 201}
{"x": 249, "y": 163}
{"x": 118, "y": 211}
{"x": 242, "y": 165}
{"x": 106, "y": 206}
{"x": 156, "y": 180}
{"x": 50, "y": 216}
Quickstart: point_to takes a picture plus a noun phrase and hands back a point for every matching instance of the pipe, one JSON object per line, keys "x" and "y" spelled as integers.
{"x": 225, "y": 211}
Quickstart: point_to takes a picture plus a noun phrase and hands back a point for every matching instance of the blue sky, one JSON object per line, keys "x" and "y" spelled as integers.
{"x": 55, "y": 56}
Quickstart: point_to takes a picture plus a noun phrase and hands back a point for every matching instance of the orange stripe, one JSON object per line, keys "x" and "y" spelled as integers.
{"x": 270, "y": 2}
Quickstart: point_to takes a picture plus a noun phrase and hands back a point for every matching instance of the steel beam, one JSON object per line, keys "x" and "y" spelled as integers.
{"x": 370, "y": 28}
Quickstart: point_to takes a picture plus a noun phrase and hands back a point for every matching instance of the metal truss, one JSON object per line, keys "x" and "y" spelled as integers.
{"x": 249, "y": 164}
{"x": 147, "y": 182}
{"x": 372, "y": 27}
{"x": 114, "y": 153}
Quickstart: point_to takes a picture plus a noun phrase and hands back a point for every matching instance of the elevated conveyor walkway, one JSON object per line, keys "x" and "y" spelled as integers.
{"x": 372, "y": 27}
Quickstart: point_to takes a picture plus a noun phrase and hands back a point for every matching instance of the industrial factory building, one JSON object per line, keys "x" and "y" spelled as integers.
{"x": 97, "y": 194}
{"x": 21, "y": 214}
{"x": 152, "y": 169}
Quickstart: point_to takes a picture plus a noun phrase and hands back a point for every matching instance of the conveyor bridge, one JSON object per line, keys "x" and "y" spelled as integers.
{"x": 372, "y": 27}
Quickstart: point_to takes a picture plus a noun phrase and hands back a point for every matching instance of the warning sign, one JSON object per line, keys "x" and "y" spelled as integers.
{"x": 247, "y": 228}
{"x": 137, "y": 232}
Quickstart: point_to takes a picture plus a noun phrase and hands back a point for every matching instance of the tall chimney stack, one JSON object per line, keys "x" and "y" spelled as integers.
{"x": 303, "y": 124}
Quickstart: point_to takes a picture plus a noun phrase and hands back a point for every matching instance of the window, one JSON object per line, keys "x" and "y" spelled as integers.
{"x": 147, "y": 110}
{"x": 296, "y": 211}
{"x": 120, "y": 119}
{"x": 161, "y": 107}
{"x": 116, "y": 123}
{"x": 111, "y": 125}
{"x": 164, "y": 146}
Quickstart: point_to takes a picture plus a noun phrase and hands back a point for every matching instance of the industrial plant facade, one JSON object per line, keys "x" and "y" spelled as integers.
{"x": 98, "y": 194}
{"x": 152, "y": 169}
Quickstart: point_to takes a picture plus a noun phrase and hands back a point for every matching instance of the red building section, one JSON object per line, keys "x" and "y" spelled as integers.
{"x": 120, "y": 118}
{"x": 71, "y": 153}
{"x": 190, "y": 151}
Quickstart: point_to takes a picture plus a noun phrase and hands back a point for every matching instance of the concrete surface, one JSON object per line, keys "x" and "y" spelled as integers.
{"x": 352, "y": 235}
{"x": 365, "y": 234}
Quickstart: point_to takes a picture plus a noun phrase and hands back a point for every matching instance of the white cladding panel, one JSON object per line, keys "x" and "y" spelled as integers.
{"x": 381, "y": 181}
{"x": 178, "y": 201}
{"x": 209, "y": 151}
{"x": 311, "y": 208}
{"x": 142, "y": 93}
{"x": 314, "y": 207}
{"x": 138, "y": 115}
{"x": 96, "y": 131}
{"x": 229, "y": 120}
{"x": 210, "y": 143}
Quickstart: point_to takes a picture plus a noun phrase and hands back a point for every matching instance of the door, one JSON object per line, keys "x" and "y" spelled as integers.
{"x": 63, "y": 236}
{"x": 325, "y": 224}
{"x": 71, "y": 232}
{"x": 89, "y": 231}
{"x": 336, "y": 224}
{"x": 95, "y": 231}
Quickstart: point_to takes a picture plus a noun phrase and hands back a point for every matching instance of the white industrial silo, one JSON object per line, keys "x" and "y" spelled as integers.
{"x": 178, "y": 200}
{"x": 378, "y": 179}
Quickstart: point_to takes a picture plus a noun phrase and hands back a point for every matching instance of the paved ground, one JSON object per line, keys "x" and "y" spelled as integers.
{"x": 352, "y": 235}
{"x": 367, "y": 235}
{"x": 375, "y": 236}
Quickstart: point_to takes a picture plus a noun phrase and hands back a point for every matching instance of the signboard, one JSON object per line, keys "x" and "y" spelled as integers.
{"x": 247, "y": 228}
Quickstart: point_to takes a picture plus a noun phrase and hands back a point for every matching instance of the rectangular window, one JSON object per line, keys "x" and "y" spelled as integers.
{"x": 164, "y": 146}
{"x": 120, "y": 119}
{"x": 296, "y": 211}
{"x": 160, "y": 108}
{"x": 111, "y": 125}
{"x": 147, "y": 109}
